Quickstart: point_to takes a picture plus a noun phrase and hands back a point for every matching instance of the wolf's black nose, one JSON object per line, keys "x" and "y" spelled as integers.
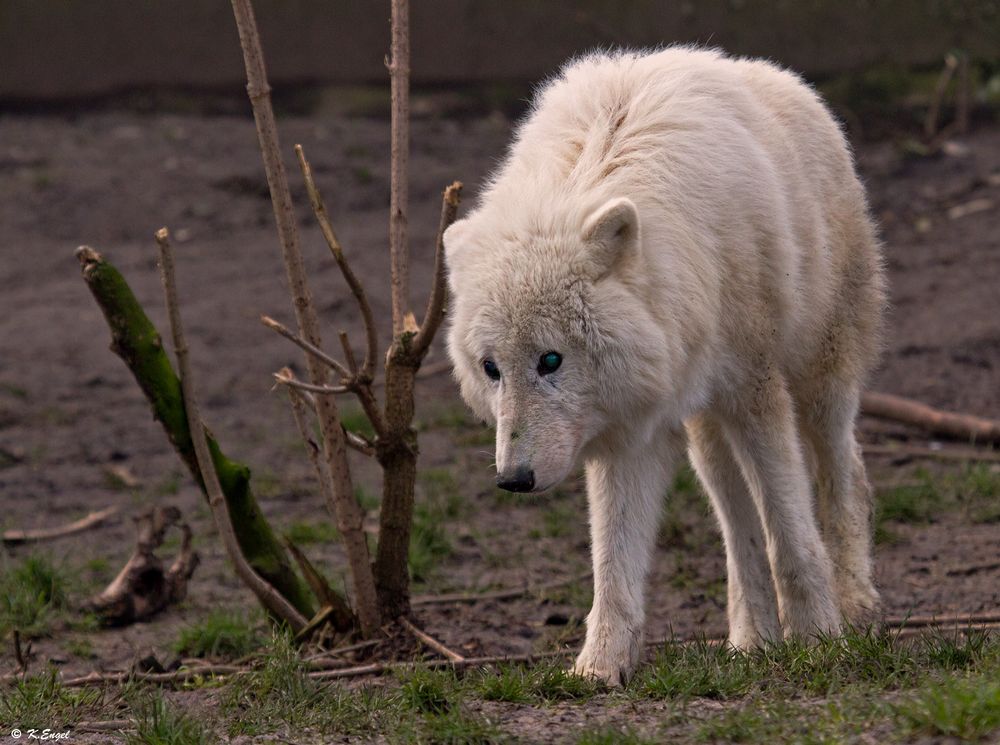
{"x": 522, "y": 480}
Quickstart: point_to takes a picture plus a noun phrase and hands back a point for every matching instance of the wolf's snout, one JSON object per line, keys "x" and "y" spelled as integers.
{"x": 521, "y": 480}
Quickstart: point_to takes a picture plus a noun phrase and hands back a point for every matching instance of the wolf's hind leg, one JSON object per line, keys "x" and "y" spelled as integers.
{"x": 765, "y": 441}
{"x": 844, "y": 498}
{"x": 752, "y": 607}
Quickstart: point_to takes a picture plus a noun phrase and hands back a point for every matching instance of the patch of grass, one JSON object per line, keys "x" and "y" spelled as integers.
{"x": 439, "y": 501}
{"x": 545, "y": 683}
{"x": 79, "y": 647}
{"x": 966, "y": 708}
{"x": 302, "y": 533}
{"x": 455, "y": 727}
{"x": 790, "y": 721}
{"x": 354, "y": 420}
{"x": 975, "y": 490}
{"x": 157, "y": 722}
{"x": 41, "y": 701}
{"x": 280, "y": 694}
{"x": 613, "y": 736}
{"x": 30, "y": 591}
{"x": 979, "y": 487}
{"x": 700, "y": 669}
{"x": 366, "y": 499}
{"x": 221, "y": 635}
{"x": 428, "y": 691}
{"x": 910, "y": 503}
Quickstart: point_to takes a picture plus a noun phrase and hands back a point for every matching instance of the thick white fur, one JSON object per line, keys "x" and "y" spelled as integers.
{"x": 687, "y": 230}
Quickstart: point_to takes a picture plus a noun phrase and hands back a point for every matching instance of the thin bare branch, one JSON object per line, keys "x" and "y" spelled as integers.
{"x": 306, "y": 346}
{"x": 345, "y": 343}
{"x": 431, "y": 642}
{"x": 268, "y": 596}
{"x": 299, "y": 403}
{"x": 303, "y": 399}
{"x": 12, "y": 537}
{"x": 934, "y": 111}
{"x": 359, "y": 443}
{"x": 439, "y": 289}
{"x": 303, "y": 386}
{"x": 357, "y": 289}
{"x": 399, "y": 73}
{"x": 349, "y": 515}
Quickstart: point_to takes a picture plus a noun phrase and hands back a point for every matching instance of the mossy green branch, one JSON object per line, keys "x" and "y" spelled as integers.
{"x": 137, "y": 342}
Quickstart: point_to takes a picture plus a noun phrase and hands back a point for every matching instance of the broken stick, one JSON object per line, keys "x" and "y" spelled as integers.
{"x": 943, "y": 423}
{"x": 16, "y": 536}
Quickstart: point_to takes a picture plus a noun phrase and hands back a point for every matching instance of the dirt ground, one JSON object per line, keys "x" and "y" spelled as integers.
{"x": 69, "y": 409}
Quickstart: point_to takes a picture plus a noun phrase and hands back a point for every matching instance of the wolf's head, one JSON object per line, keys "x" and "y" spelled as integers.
{"x": 547, "y": 333}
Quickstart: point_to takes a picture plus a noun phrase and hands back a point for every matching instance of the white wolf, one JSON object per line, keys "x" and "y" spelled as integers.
{"x": 677, "y": 252}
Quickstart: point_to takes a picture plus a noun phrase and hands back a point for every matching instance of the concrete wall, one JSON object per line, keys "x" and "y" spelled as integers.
{"x": 57, "y": 49}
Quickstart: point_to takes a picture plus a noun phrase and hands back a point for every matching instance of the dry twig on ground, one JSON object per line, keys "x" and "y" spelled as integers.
{"x": 15, "y": 536}
{"x": 946, "y": 424}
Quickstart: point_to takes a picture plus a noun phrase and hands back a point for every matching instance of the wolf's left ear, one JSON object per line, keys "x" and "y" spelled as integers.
{"x": 611, "y": 234}
{"x": 457, "y": 250}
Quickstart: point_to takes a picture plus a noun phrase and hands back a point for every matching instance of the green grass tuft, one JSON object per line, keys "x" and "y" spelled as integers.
{"x": 158, "y": 722}
{"x": 221, "y": 635}
{"x": 438, "y": 501}
{"x": 41, "y": 701}
{"x": 966, "y": 708}
{"x": 30, "y": 592}
{"x": 428, "y": 691}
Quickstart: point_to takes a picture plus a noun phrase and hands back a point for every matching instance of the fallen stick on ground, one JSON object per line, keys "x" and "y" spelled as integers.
{"x": 944, "y": 423}
{"x": 14, "y": 537}
{"x": 431, "y": 642}
{"x": 514, "y": 592}
{"x": 917, "y": 451}
{"x": 959, "y": 619}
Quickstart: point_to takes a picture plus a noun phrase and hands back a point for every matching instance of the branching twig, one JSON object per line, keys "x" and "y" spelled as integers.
{"x": 12, "y": 537}
{"x": 293, "y": 382}
{"x": 350, "y": 517}
{"x": 305, "y": 346}
{"x": 298, "y": 401}
{"x": 431, "y": 642}
{"x": 358, "y": 290}
{"x": 399, "y": 74}
{"x": 439, "y": 289}
{"x": 274, "y": 601}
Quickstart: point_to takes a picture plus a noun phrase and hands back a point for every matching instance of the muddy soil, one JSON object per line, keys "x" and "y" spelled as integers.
{"x": 69, "y": 409}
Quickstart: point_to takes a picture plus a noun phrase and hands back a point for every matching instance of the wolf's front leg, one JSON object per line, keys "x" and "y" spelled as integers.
{"x": 626, "y": 486}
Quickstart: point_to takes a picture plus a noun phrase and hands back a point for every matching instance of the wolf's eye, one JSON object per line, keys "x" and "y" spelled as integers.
{"x": 491, "y": 369}
{"x": 549, "y": 363}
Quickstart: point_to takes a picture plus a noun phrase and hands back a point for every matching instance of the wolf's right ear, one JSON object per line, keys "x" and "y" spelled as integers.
{"x": 611, "y": 234}
{"x": 458, "y": 249}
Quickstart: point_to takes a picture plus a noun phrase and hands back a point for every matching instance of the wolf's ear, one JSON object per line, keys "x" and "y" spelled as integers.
{"x": 458, "y": 250}
{"x": 611, "y": 233}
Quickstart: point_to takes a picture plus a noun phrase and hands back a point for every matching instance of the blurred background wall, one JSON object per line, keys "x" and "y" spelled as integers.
{"x": 66, "y": 49}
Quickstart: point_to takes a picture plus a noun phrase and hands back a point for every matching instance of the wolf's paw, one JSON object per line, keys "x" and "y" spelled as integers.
{"x": 859, "y": 603}
{"x": 609, "y": 656}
